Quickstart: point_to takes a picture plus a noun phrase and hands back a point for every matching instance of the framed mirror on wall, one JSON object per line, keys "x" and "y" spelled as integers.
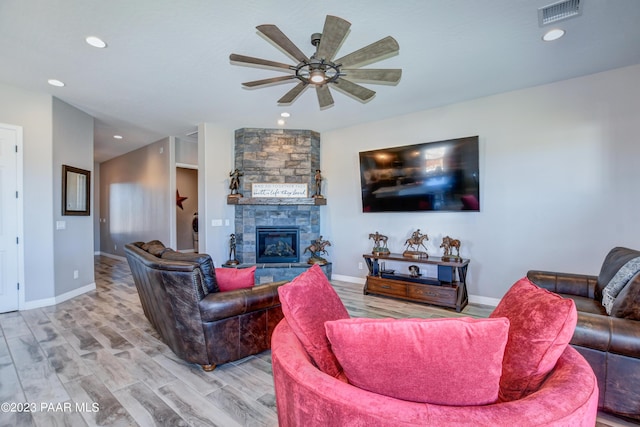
{"x": 76, "y": 191}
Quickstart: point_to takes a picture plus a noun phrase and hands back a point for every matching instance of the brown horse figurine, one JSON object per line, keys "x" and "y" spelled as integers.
{"x": 317, "y": 248}
{"x": 416, "y": 240}
{"x": 448, "y": 244}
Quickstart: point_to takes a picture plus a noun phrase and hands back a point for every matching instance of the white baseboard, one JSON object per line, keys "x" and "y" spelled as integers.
{"x": 478, "y": 299}
{"x": 28, "y": 305}
{"x": 349, "y": 279}
{"x": 475, "y": 299}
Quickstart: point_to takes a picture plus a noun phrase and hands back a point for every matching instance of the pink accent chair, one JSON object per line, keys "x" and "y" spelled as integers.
{"x": 305, "y": 396}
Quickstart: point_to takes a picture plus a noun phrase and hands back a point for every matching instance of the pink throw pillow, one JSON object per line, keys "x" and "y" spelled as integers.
{"x": 235, "y": 278}
{"x": 542, "y": 324}
{"x": 308, "y": 301}
{"x": 440, "y": 361}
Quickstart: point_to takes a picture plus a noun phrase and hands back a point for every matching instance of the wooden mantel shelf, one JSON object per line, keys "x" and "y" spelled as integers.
{"x": 313, "y": 201}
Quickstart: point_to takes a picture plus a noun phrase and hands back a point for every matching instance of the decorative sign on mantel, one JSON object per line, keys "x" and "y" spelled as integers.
{"x": 279, "y": 190}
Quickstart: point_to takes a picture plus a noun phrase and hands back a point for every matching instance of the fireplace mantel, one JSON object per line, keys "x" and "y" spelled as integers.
{"x": 290, "y": 201}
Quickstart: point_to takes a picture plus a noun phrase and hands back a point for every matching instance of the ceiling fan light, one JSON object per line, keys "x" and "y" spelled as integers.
{"x": 317, "y": 77}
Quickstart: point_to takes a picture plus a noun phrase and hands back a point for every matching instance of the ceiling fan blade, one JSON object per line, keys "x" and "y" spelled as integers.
{"x": 374, "y": 52}
{"x": 274, "y": 34}
{"x": 353, "y": 89}
{"x": 333, "y": 34}
{"x": 268, "y": 81}
{"x": 324, "y": 96}
{"x": 375, "y": 76}
{"x": 244, "y": 60}
{"x": 291, "y": 96}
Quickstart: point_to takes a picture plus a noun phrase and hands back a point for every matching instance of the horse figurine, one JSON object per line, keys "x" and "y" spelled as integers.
{"x": 448, "y": 244}
{"x": 317, "y": 249}
{"x": 416, "y": 240}
{"x": 380, "y": 243}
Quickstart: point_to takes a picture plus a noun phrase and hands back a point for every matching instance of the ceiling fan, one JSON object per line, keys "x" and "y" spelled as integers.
{"x": 321, "y": 69}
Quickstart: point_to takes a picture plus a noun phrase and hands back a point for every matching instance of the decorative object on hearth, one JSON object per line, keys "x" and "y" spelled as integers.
{"x": 234, "y": 184}
{"x": 413, "y": 244}
{"x": 321, "y": 69}
{"x": 448, "y": 244}
{"x": 380, "y": 244}
{"x": 317, "y": 249}
{"x": 232, "y": 251}
{"x": 318, "y": 179}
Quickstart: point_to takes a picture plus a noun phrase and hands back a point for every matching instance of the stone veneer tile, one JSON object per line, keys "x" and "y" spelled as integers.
{"x": 275, "y": 155}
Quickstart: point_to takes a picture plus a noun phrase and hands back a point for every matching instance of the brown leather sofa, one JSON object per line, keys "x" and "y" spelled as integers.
{"x": 610, "y": 343}
{"x": 180, "y": 297}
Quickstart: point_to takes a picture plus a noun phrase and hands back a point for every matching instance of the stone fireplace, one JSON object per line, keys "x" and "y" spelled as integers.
{"x": 275, "y": 156}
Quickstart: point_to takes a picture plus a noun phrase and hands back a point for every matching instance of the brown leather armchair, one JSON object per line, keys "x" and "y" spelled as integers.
{"x": 610, "y": 343}
{"x": 180, "y": 297}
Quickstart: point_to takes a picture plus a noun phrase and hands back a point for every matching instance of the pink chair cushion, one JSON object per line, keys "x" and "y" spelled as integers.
{"x": 308, "y": 301}
{"x": 542, "y": 324}
{"x": 235, "y": 278}
{"x": 440, "y": 361}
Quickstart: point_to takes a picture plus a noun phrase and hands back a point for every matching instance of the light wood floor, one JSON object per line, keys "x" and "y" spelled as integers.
{"x": 98, "y": 351}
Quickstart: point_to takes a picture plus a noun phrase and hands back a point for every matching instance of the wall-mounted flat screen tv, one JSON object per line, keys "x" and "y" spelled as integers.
{"x": 433, "y": 176}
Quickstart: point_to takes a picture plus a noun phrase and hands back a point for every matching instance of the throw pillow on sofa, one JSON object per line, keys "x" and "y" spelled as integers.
{"x": 542, "y": 324}
{"x": 618, "y": 282}
{"x": 308, "y": 301}
{"x": 154, "y": 247}
{"x": 439, "y": 361}
{"x": 230, "y": 279}
{"x": 627, "y": 303}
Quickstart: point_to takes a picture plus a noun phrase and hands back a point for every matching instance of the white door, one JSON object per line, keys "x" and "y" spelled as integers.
{"x": 9, "y": 232}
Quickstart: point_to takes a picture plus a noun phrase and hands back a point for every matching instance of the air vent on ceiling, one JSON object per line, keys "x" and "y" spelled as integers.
{"x": 559, "y": 11}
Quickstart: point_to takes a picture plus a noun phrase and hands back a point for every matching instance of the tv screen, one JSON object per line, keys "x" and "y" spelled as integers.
{"x": 434, "y": 176}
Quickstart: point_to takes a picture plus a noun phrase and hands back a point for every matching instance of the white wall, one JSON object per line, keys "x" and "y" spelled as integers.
{"x": 215, "y": 148}
{"x": 558, "y": 172}
{"x": 136, "y": 198}
{"x": 73, "y": 245}
{"x": 49, "y": 125}
{"x": 32, "y": 111}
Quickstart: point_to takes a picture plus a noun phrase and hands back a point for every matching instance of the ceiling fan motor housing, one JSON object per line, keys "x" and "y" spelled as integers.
{"x": 315, "y": 39}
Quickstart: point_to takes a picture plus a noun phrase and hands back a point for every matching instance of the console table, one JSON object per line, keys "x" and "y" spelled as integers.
{"x": 449, "y": 289}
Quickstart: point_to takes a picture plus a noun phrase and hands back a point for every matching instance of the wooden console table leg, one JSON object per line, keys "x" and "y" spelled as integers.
{"x": 463, "y": 296}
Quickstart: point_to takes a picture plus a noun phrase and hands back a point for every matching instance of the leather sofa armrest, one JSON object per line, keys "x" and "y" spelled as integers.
{"x": 222, "y": 305}
{"x": 608, "y": 334}
{"x": 564, "y": 283}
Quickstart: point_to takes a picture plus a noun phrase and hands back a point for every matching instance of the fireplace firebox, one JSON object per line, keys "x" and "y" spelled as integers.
{"x": 277, "y": 244}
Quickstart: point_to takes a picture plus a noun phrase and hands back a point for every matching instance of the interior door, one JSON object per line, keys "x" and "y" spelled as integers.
{"x": 8, "y": 218}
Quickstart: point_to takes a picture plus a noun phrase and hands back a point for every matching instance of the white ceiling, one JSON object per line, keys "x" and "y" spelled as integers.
{"x": 166, "y": 67}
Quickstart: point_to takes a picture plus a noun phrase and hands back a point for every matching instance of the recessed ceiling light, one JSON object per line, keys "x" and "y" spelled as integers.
{"x": 117, "y": 136}
{"x": 281, "y": 122}
{"x": 54, "y": 82}
{"x": 96, "y": 42}
{"x": 552, "y": 35}
{"x": 285, "y": 114}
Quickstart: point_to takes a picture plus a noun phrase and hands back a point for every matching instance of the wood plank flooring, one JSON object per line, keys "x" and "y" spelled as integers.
{"x": 96, "y": 361}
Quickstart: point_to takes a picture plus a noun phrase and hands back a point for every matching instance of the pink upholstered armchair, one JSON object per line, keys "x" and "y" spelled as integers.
{"x": 329, "y": 376}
